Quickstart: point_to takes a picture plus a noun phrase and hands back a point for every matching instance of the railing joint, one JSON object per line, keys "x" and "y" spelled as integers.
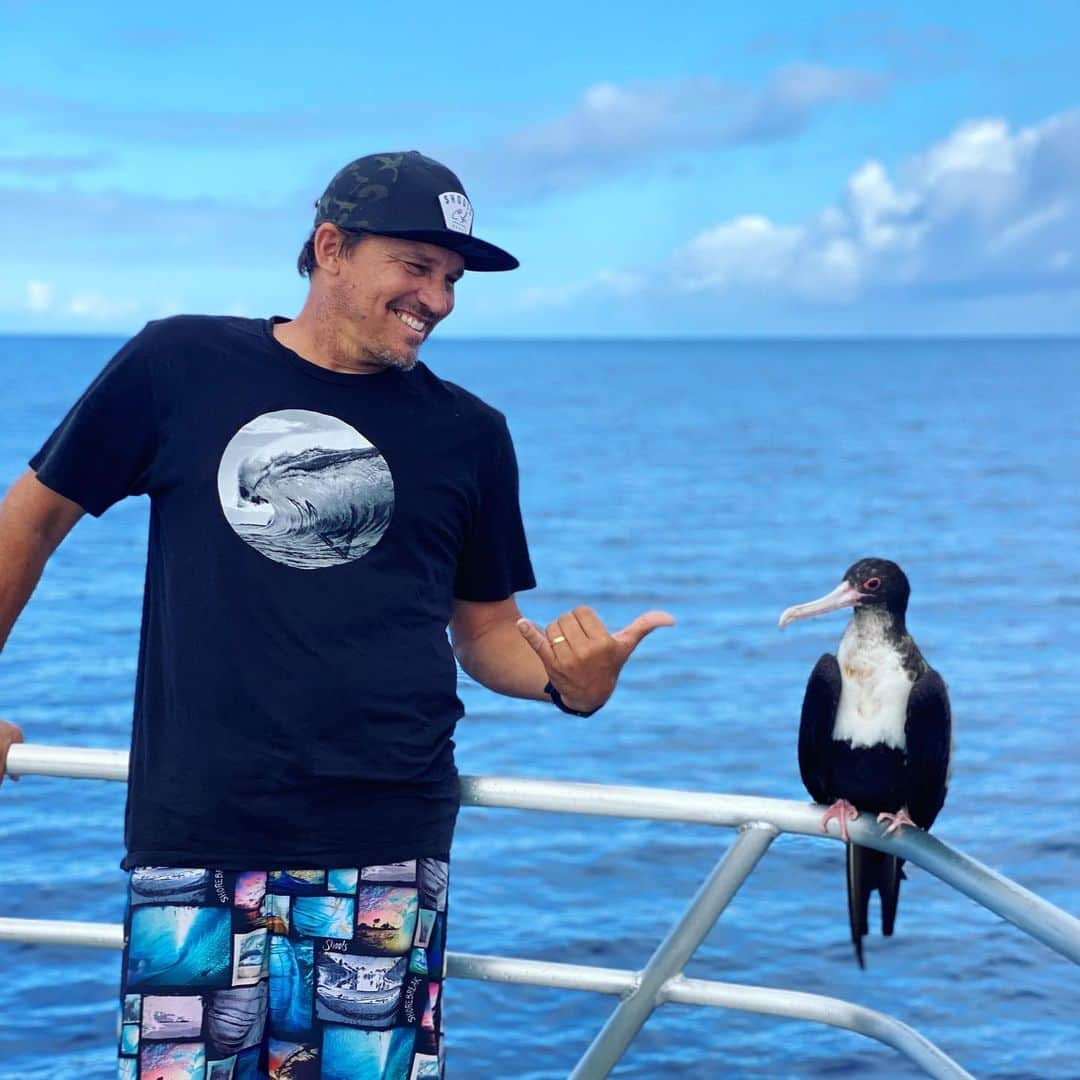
{"x": 665, "y": 989}
{"x": 633, "y": 987}
{"x": 759, "y": 826}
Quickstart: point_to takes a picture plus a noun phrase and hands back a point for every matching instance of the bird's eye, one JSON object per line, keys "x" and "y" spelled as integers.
{"x": 872, "y": 584}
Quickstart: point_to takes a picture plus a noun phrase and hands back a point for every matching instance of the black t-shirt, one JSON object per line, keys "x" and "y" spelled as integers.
{"x": 309, "y": 531}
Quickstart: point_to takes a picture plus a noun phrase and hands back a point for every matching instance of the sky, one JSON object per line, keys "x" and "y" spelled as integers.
{"x": 670, "y": 171}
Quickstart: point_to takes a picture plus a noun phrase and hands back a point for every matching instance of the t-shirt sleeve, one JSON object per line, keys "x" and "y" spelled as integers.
{"x": 104, "y": 448}
{"x": 495, "y": 562}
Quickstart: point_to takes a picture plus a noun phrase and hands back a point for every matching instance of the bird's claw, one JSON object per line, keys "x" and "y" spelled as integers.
{"x": 895, "y": 821}
{"x": 844, "y": 812}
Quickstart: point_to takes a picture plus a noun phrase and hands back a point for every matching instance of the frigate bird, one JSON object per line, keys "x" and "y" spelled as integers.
{"x": 876, "y": 730}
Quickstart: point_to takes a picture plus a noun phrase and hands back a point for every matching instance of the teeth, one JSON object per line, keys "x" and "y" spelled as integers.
{"x": 411, "y": 321}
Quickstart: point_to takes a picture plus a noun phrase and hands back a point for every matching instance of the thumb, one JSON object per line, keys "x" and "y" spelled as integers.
{"x": 630, "y": 636}
{"x": 538, "y": 640}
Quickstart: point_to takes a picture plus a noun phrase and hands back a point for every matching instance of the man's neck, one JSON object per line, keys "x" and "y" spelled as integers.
{"x": 302, "y": 336}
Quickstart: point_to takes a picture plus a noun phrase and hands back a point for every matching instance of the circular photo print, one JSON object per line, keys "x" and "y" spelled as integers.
{"x": 305, "y": 489}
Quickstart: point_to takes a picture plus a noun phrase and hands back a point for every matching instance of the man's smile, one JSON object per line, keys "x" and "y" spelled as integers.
{"x": 413, "y": 322}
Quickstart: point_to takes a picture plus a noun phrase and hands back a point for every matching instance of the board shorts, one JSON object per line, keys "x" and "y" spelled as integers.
{"x": 333, "y": 974}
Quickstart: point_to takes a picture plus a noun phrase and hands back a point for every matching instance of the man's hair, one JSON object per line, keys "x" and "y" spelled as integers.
{"x": 350, "y": 239}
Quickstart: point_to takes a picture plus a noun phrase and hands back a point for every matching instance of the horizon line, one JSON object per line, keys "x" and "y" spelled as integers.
{"x": 734, "y": 339}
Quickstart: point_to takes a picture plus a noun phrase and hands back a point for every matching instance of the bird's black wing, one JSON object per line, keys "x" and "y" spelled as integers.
{"x": 815, "y": 729}
{"x": 929, "y": 743}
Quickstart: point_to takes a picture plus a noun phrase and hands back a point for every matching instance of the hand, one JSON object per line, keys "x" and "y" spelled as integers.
{"x": 9, "y": 734}
{"x": 581, "y": 658}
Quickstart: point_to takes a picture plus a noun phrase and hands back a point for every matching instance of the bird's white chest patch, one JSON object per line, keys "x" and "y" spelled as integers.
{"x": 874, "y": 690}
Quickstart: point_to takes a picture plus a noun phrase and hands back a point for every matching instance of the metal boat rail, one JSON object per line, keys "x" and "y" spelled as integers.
{"x": 758, "y": 822}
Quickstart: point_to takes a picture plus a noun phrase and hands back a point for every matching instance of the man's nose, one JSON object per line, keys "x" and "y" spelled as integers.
{"x": 438, "y": 301}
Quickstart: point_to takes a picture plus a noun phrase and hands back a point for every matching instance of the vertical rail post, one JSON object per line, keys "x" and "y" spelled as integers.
{"x": 675, "y": 950}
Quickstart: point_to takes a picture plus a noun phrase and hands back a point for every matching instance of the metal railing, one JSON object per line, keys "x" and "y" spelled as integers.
{"x": 758, "y": 821}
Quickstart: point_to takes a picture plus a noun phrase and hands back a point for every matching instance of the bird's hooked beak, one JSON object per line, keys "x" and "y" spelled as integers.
{"x": 844, "y": 595}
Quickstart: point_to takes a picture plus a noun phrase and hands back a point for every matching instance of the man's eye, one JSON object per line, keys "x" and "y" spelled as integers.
{"x": 417, "y": 268}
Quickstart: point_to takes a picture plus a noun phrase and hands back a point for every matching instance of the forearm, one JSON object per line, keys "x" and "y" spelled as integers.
{"x": 20, "y": 572}
{"x": 500, "y": 659}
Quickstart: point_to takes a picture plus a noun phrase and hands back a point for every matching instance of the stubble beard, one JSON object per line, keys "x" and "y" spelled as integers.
{"x": 339, "y": 312}
{"x": 387, "y": 357}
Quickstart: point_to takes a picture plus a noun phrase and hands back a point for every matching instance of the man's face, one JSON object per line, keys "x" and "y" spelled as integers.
{"x": 388, "y": 296}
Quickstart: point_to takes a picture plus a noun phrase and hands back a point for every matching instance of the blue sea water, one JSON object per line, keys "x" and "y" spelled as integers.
{"x": 723, "y": 482}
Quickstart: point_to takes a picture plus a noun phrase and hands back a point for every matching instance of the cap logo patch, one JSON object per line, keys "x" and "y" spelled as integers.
{"x": 456, "y": 211}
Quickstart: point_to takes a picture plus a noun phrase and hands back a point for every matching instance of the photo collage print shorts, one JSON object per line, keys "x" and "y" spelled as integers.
{"x": 286, "y": 974}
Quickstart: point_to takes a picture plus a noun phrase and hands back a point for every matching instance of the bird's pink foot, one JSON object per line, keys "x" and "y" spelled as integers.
{"x": 895, "y": 821}
{"x": 844, "y": 812}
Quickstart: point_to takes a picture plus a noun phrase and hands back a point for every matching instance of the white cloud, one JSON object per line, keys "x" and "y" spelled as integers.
{"x": 139, "y": 122}
{"x": 614, "y": 127}
{"x": 753, "y": 253}
{"x": 112, "y": 226}
{"x": 748, "y": 250}
{"x": 785, "y": 105}
{"x": 1035, "y": 222}
{"x": 86, "y": 305}
{"x": 39, "y": 296}
{"x": 987, "y": 209}
{"x": 619, "y": 284}
{"x": 89, "y": 307}
{"x": 97, "y": 307}
{"x": 881, "y": 214}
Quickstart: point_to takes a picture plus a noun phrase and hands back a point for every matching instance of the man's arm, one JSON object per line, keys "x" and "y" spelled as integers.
{"x": 511, "y": 655}
{"x": 33, "y": 521}
{"x": 490, "y": 648}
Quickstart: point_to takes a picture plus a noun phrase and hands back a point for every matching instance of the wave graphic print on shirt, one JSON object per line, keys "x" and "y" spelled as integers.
{"x": 305, "y": 489}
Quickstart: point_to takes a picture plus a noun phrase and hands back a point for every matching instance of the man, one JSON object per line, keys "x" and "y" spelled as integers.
{"x": 322, "y": 508}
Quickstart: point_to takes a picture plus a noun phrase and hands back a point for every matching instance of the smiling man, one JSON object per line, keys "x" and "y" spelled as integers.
{"x": 323, "y": 508}
{"x": 392, "y": 237}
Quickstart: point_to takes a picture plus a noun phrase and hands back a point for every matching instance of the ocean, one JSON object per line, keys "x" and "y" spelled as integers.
{"x": 721, "y": 481}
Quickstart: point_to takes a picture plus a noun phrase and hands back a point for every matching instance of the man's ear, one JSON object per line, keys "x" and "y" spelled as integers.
{"x": 327, "y": 244}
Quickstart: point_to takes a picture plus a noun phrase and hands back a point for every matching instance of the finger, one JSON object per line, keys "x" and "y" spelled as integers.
{"x": 590, "y": 623}
{"x": 561, "y": 649}
{"x": 536, "y": 638}
{"x": 572, "y": 630}
{"x": 631, "y": 636}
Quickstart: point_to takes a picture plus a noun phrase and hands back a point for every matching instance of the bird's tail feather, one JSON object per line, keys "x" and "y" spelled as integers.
{"x": 859, "y": 885}
{"x": 868, "y": 870}
{"x": 892, "y": 873}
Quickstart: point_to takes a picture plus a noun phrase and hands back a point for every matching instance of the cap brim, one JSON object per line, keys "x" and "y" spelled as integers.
{"x": 478, "y": 254}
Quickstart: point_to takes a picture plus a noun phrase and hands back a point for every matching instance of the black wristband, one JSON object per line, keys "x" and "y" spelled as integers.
{"x": 557, "y": 701}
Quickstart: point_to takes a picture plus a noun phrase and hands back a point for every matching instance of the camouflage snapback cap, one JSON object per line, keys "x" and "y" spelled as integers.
{"x": 408, "y": 195}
